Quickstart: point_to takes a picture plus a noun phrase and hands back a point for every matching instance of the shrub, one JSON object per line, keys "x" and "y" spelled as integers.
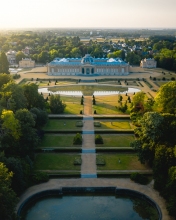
{"x": 82, "y": 101}
{"x": 79, "y": 124}
{"x": 81, "y": 112}
{"x": 95, "y": 112}
{"x": 100, "y": 161}
{"x": 40, "y": 177}
{"x": 77, "y": 139}
{"x": 139, "y": 178}
{"x": 98, "y": 139}
{"x": 77, "y": 161}
{"x": 97, "y": 124}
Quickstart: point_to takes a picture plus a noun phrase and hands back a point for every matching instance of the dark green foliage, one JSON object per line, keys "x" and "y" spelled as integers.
{"x": 95, "y": 112}
{"x": 80, "y": 112}
{"x": 40, "y": 117}
{"x": 16, "y": 76}
{"x": 40, "y": 177}
{"x": 77, "y": 139}
{"x": 82, "y": 101}
{"x": 97, "y": 124}
{"x": 56, "y": 105}
{"x": 100, "y": 161}
{"x": 4, "y": 64}
{"x": 34, "y": 99}
{"x": 77, "y": 161}
{"x": 94, "y": 102}
{"x": 139, "y": 178}
{"x": 98, "y": 139}
{"x": 79, "y": 124}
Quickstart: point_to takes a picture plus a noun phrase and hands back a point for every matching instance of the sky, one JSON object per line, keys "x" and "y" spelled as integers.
{"x": 87, "y": 14}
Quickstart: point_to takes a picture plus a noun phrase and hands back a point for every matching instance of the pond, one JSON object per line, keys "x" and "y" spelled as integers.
{"x": 89, "y": 92}
{"x": 90, "y": 206}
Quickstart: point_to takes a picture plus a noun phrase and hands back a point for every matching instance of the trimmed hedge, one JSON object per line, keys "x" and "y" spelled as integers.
{"x": 77, "y": 139}
{"x": 98, "y": 139}
{"x": 139, "y": 178}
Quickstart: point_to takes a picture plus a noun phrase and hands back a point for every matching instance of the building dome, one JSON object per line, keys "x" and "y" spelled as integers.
{"x": 87, "y": 59}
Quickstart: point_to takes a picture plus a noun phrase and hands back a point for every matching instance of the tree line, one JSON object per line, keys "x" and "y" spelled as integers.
{"x": 23, "y": 113}
{"x": 155, "y": 142}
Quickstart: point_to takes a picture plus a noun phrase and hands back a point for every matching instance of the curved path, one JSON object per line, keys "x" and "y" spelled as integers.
{"x": 98, "y": 182}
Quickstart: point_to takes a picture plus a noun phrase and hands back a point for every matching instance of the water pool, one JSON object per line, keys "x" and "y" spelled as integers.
{"x": 89, "y": 207}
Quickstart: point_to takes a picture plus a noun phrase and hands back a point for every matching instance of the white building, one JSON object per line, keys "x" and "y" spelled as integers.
{"x": 88, "y": 66}
{"x": 27, "y": 63}
{"x": 148, "y": 63}
{"x": 11, "y": 57}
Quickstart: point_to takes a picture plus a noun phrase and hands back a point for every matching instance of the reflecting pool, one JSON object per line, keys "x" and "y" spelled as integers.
{"x": 96, "y": 93}
{"x": 90, "y": 207}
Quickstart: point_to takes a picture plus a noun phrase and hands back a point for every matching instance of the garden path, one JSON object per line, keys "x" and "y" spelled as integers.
{"x": 88, "y": 156}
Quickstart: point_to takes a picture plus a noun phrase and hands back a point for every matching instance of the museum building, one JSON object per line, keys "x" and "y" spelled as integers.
{"x": 87, "y": 66}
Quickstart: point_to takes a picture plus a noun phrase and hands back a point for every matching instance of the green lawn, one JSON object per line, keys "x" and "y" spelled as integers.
{"x": 116, "y": 140}
{"x": 108, "y": 104}
{"x": 50, "y": 161}
{"x": 50, "y": 140}
{"x": 127, "y": 162}
{"x": 73, "y": 108}
{"x": 115, "y": 125}
{"x": 57, "y": 124}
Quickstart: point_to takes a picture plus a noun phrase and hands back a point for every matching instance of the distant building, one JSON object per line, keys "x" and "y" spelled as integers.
{"x": 11, "y": 57}
{"x": 148, "y": 63}
{"x": 88, "y": 66}
{"x": 26, "y": 50}
{"x": 26, "y": 63}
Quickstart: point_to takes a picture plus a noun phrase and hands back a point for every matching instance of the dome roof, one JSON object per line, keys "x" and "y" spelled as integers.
{"x": 63, "y": 60}
{"x": 87, "y": 59}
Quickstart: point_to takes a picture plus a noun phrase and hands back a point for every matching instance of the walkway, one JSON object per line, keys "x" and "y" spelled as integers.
{"x": 88, "y": 156}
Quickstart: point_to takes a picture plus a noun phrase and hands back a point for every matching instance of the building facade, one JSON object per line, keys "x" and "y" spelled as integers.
{"x": 27, "y": 63}
{"x": 148, "y": 63}
{"x": 88, "y": 66}
{"x": 11, "y": 57}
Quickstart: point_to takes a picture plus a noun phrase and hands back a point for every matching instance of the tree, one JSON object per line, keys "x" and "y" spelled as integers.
{"x": 34, "y": 99}
{"x": 19, "y": 56}
{"x": 4, "y": 78}
{"x": 4, "y": 64}
{"x": 29, "y": 138}
{"x": 165, "y": 100}
{"x": 40, "y": 117}
{"x": 138, "y": 102}
{"x": 8, "y": 198}
{"x": 56, "y": 105}
{"x": 13, "y": 97}
{"x": 10, "y": 124}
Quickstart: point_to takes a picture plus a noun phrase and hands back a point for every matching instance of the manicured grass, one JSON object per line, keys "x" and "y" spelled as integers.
{"x": 57, "y": 141}
{"x": 73, "y": 108}
{"x": 116, "y": 140}
{"x": 72, "y": 99}
{"x": 115, "y": 125}
{"x": 127, "y": 162}
{"x": 160, "y": 83}
{"x": 107, "y": 105}
{"x": 50, "y": 161}
{"x": 58, "y": 124}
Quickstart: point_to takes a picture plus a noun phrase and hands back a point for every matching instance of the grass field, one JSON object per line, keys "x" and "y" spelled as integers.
{"x": 116, "y": 140}
{"x": 115, "y": 125}
{"x": 50, "y": 161}
{"x": 127, "y": 162}
{"x": 50, "y": 140}
{"x": 73, "y": 108}
{"x": 58, "y": 124}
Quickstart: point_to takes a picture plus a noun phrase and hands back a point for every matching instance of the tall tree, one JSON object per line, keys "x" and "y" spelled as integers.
{"x": 165, "y": 100}
{"x": 34, "y": 99}
{"x": 4, "y": 64}
{"x": 8, "y": 198}
{"x": 56, "y": 105}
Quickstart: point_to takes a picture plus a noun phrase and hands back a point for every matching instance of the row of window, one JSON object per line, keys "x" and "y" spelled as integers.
{"x": 91, "y": 70}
